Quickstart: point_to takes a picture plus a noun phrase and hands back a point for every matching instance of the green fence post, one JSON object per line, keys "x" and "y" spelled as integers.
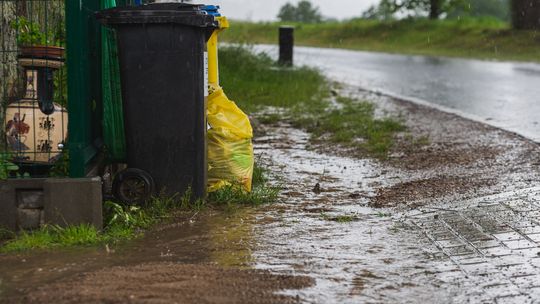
{"x": 84, "y": 83}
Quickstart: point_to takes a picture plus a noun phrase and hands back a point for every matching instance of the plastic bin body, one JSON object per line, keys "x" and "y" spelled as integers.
{"x": 162, "y": 69}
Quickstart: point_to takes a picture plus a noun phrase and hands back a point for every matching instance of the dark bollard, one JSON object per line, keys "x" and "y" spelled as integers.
{"x": 286, "y": 45}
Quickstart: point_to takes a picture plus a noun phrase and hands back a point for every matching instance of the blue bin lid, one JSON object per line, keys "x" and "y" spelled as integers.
{"x": 212, "y": 10}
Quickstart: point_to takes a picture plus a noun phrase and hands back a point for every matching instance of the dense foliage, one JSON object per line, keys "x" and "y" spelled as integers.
{"x": 432, "y": 8}
{"x": 303, "y": 12}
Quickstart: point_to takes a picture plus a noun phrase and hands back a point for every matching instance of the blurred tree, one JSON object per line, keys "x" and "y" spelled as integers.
{"x": 384, "y": 11}
{"x": 303, "y": 12}
{"x": 499, "y": 9}
{"x": 526, "y": 14}
{"x": 434, "y": 9}
{"x": 287, "y": 12}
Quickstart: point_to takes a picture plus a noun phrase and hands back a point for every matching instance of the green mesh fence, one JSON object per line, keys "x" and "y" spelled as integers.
{"x": 113, "y": 119}
{"x": 33, "y": 89}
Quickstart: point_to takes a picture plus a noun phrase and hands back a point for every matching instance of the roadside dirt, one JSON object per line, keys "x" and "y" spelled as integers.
{"x": 201, "y": 258}
{"x": 446, "y": 155}
{"x": 170, "y": 283}
{"x": 408, "y": 193}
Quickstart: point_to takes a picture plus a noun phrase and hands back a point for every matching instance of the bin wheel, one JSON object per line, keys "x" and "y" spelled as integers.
{"x": 133, "y": 186}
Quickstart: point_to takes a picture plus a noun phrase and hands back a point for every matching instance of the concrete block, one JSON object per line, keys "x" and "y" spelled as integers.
{"x": 73, "y": 201}
{"x": 26, "y": 183}
{"x": 28, "y": 219}
{"x": 8, "y": 206}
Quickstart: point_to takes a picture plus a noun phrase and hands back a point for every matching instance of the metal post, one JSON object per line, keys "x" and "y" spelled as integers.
{"x": 286, "y": 45}
{"x": 84, "y": 100}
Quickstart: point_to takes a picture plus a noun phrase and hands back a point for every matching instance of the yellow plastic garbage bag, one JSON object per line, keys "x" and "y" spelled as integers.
{"x": 230, "y": 150}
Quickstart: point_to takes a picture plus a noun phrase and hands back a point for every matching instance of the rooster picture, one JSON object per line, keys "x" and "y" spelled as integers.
{"x": 16, "y": 129}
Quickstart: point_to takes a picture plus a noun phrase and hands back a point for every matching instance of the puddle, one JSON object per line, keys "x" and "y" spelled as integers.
{"x": 372, "y": 258}
{"x": 213, "y": 238}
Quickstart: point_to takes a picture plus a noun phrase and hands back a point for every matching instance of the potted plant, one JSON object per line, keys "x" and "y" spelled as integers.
{"x": 6, "y": 166}
{"x": 34, "y": 43}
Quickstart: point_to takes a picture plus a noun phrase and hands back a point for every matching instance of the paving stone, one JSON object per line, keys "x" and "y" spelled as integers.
{"x": 451, "y": 243}
{"x": 534, "y": 214}
{"x": 507, "y": 236}
{"x": 520, "y": 244}
{"x": 496, "y": 251}
{"x": 535, "y": 294}
{"x": 528, "y": 252}
{"x": 508, "y": 260}
{"x": 463, "y": 250}
{"x": 507, "y": 290}
{"x": 532, "y": 281}
{"x": 531, "y": 230}
{"x": 469, "y": 260}
{"x": 534, "y": 237}
{"x": 535, "y": 261}
{"x": 518, "y": 270}
{"x": 487, "y": 244}
{"x": 515, "y": 299}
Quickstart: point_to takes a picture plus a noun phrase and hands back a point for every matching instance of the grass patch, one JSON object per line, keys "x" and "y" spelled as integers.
{"x": 262, "y": 193}
{"x": 344, "y": 218}
{"x": 270, "y": 118}
{"x": 233, "y": 195}
{"x": 483, "y": 38}
{"x": 40, "y": 239}
{"x": 255, "y": 82}
{"x": 129, "y": 222}
{"x": 354, "y": 124}
{"x": 121, "y": 223}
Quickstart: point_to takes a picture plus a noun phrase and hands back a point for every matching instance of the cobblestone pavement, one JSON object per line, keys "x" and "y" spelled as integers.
{"x": 494, "y": 241}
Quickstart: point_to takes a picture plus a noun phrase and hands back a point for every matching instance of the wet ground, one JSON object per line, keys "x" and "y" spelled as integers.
{"x": 452, "y": 218}
{"x": 503, "y": 94}
{"x": 201, "y": 258}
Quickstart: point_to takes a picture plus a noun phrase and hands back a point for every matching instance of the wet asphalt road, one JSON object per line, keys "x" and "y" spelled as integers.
{"x": 502, "y": 94}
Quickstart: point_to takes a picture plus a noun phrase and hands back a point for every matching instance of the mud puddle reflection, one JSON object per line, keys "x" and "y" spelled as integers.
{"x": 216, "y": 238}
{"x": 324, "y": 228}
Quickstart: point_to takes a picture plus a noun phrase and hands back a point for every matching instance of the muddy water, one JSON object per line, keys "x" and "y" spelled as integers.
{"x": 211, "y": 238}
{"x": 372, "y": 258}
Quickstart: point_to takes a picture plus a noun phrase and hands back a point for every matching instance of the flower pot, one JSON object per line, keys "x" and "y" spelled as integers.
{"x": 41, "y": 51}
{"x": 34, "y": 137}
